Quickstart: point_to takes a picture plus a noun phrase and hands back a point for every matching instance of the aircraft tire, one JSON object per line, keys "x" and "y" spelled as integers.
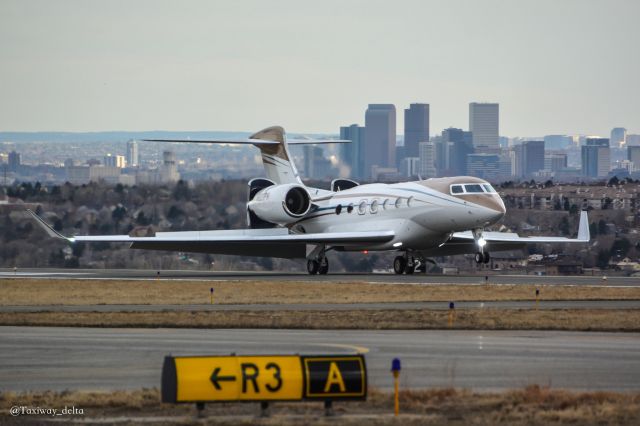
{"x": 399, "y": 265}
{"x": 323, "y": 269}
{"x": 486, "y": 257}
{"x": 479, "y": 258}
{"x": 312, "y": 267}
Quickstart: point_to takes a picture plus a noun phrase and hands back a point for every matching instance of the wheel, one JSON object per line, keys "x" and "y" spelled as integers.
{"x": 312, "y": 267}
{"x": 324, "y": 266}
{"x": 399, "y": 264}
{"x": 411, "y": 267}
{"x": 479, "y": 257}
{"x": 487, "y": 257}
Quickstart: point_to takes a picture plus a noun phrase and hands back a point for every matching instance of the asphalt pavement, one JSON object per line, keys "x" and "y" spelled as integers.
{"x": 39, "y": 358}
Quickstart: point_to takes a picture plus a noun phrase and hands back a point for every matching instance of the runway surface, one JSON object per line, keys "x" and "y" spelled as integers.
{"x": 551, "y": 304}
{"x": 387, "y": 278}
{"x": 33, "y": 358}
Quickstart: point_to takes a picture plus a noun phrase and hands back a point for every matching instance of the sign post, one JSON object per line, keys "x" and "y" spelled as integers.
{"x": 395, "y": 369}
{"x": 537, "y": 297}
{"x": 264, "y": 379}
{"x": 212, "y": 295}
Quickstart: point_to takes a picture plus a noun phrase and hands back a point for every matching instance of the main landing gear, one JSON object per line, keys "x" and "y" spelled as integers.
{"x": 408, "y": 265}
{"x": 482, "y": 257}
{"x": 320, "y": 266}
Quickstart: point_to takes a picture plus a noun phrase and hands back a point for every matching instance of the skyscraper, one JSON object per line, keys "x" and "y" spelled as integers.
{"x": 484, "y": 125}
{"x": 14, "y": 161}
{"x": 596, "y": 157}
{"x": 416, "y": 128}
{"x": 618, "y": 137}
{"x": 380, "y": 137}
{"x": 457, "y": 145}
{"x": 533, "y": 161}
{"x": 633, "y": 155}
{"x": 352, "y": 154}
{"x": 133, "y": 157}
{"x": 427, "y": 160}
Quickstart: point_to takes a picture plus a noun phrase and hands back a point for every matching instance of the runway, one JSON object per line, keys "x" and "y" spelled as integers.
{"x": 39, "y": 358}
{"x": 385, "y": 278}
{"x": 550, "y": 304}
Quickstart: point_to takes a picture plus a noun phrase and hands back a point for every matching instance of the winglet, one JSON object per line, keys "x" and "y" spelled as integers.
{"x": 48, "y": 229}
{"x": 583, "y": 227}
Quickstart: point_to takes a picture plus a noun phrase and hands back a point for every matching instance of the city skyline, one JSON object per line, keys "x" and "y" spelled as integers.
{"x": 554, "y": 67}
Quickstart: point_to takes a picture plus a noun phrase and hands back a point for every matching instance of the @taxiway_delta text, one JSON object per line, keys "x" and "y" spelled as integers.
{"x": 24, "y": 410}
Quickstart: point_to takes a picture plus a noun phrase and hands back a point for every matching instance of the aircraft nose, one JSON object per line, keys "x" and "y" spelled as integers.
{"x": 498, "y": 209}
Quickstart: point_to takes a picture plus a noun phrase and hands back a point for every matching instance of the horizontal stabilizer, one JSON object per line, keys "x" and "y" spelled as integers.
{"x": 247, "y": 141}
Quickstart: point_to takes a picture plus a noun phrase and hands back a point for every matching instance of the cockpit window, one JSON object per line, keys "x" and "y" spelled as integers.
{"x": 456, "y": 189}
{"x": 473, "y": 188}
{"x": 488, "y": 188}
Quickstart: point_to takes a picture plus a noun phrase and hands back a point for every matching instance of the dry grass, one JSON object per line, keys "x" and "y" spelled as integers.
{"x": 91, "y": 292}
{"x": 471, "y": 319}
{"x": 531, "y": 405}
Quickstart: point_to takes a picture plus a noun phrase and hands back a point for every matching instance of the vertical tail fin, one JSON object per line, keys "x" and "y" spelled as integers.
{"x": 278, "y": 164}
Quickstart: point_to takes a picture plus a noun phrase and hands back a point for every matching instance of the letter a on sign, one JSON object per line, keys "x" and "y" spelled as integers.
{"x": 334, "y": 378}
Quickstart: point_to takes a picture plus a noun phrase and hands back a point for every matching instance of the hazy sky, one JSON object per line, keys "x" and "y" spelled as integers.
{"x": 559, "y": 66}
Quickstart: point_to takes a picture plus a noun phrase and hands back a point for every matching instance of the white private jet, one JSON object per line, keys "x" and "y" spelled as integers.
{"x": 420, "y": 219}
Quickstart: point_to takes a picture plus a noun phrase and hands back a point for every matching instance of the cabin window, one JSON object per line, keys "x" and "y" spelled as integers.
{"x": 350, "y": 208}
{"x": 362, "y": 207}
{"x": 409, "y": 201}
{"x": 398, "y": 202}
{"x": 385, "y": 203}
{"x": 456, "y": 189}
{"x": 339, "y": 209}
{"x": 473, "y": 188}
{"x": 373, "y": 208}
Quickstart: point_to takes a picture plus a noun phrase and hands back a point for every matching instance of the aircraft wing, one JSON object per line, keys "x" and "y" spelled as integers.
{"x": 510, "y": 237}
{"x": 274, "y": 242}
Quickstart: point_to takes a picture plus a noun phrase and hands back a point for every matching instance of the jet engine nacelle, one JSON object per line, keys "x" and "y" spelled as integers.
{"x": 281, "y": 204}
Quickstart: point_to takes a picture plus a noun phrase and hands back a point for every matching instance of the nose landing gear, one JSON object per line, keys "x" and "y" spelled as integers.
{"x": 482, "y": 257}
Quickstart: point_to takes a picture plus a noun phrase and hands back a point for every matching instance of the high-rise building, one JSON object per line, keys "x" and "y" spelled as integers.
{"x": 416, "y": 128}
{"x": 555, "y": 161}
{"x": 352, "y": 154}
{"x": 633, "y": 140}
{"x": 533, "y": 160}
{"x": 457, "y": 145}
{"x": 316, "y": 166}
{"x": 558, "y": 141}
{"x": 633, "y": 155}
{"x": 484, "y": 124}
{"x": 427, "y": 157}
{"x": 618, "y": 137}
{"x": 380, "y": 137}
{"x": 596, "y": 160}
{"x": 114, "y": 161}
{"x": 410, "y": 166}
{"x": 169, "y": 170}
{"x": 14, "y": 161}
{"x": 484, "y": 166}
{"x": 133, "y": 156}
